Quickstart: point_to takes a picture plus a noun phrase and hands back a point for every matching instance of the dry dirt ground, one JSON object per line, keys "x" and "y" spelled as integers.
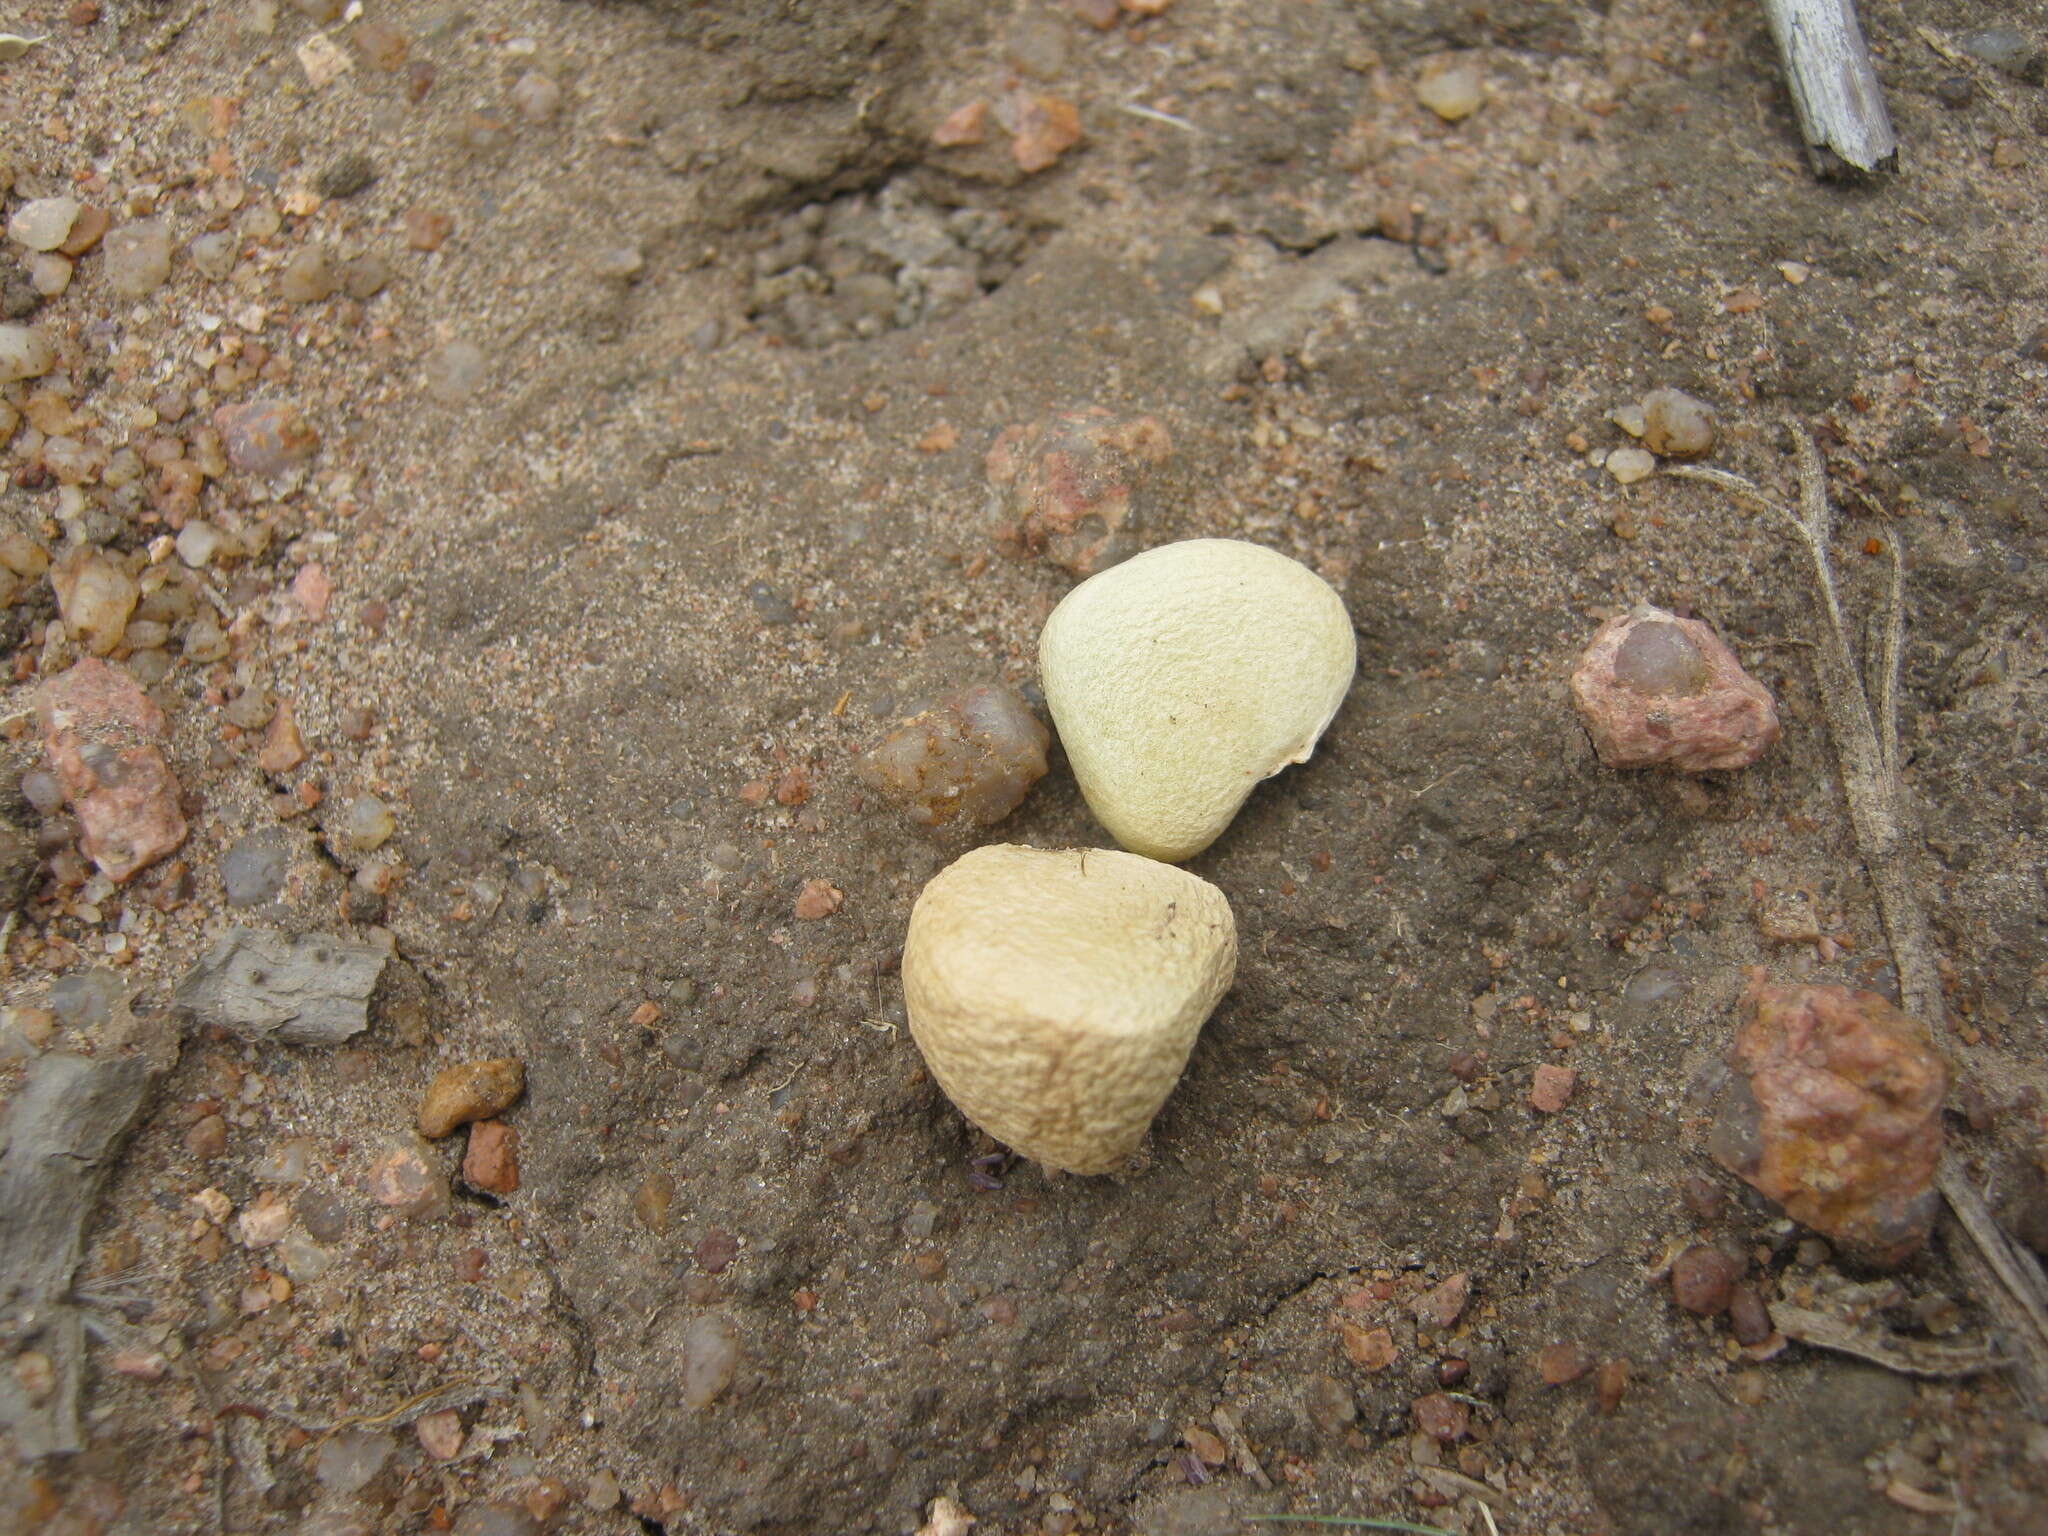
{"x": 637, "y": 532}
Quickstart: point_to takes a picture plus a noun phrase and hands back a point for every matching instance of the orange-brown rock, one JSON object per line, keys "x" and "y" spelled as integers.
{"x": 1836, "y": 1115}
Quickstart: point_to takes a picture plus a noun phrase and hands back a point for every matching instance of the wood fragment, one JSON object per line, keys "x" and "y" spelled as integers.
{"x": 1909, "y": 1357}
{"x": 313, "y": 990}
{"x": 59, "y": 1142}
{"x": 1240, "y": 1448}
{"x": 1834, "y": 87}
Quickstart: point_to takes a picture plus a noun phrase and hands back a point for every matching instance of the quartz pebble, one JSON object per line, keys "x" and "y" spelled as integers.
{"x": 213, "y": 255}
{"x": 1056, "y": 995}
{"x": 536, "y": 97}
{"x": 254, "y": 868}
{"x": 1629, "y": 465}
{"x": 44, "y": 223}
{"x": 1837, "y": 1116}
{"x": 1181, "y": 678}
{"x": 368, "y": 825}
{"x": 974, "y": 755}
{"x": 25, "y": 353}
{"x": 347, "y": 1461}
{"x": 138, "y": 258}
{"x": 1452, "y": 91}
{"x": 95, "y": 595}
{"x": 309, "y": 276}
{"x": 49, "y": 274}
{"x": 1676, "y": 425}
{"x": 711, "y": 1358}
{"x": 1655, "y": 690}
{"x": 452, "y": 373}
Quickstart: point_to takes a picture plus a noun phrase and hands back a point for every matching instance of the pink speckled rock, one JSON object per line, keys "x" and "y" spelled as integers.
{"x": 1080, "y": 486}
{"x": 100, "y": 732}
{"x": 1658, "y": 691}
{"x": 1837, "y": 1116}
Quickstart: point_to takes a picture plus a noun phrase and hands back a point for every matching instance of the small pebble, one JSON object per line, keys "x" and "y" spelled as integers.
{"x": 452, "y": 373}
{"x": 1955, "y": 92}
{"x": 25, "y": 353}
{"x": 213, "y": 255}
{"x": 309, "y": 276}
{"x": 1748, "y": 1315}
{"x": 365, "y": 276}
{"x": 266, "y": 438}
{"x": 368, "y": 825}
{"x": 1676, "y": 425}
{"x": 1703, "y": 1279}
{"x": 44, "y": 223}
{"x": 711, "y": 1357}
{"x": 473, "y": 1090}
{"x": 95, "y": 595}
{"x": 49, "y": 273}
{"x": 440, "y": 1434}
{"x": 138, "y": 258}
{"x": 347, "y": 1461}
{"x": 974, "y": 754}
{"x": 536, "y": 97}
{"x": 491, "y": 1161}
{"x": 1552, "y": 1089}
{"x": 254, "y": 868}
{"x": 407, "y": 1182}
{"x": 426, "y": 228}
{"x": 1452, "y": 91}
{"x": 346, "y": 177}
{"x": 1628, "y": 465}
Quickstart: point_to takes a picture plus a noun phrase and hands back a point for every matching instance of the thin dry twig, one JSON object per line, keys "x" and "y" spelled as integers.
{"x": 2009, "y": 1282}
{"x": 1909, "y": 1357}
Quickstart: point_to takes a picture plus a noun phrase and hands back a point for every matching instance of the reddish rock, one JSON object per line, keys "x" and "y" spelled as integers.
{"x": 1442, "y": 1417}
{"x": 964, "y": 126}
{"x": 1442, "y": 1306}
{"x": 1079, "y": 487}
{"x": 265, "y": 438}
{"x": 1370, "y": 1349}
{"x": 1658, "y": 691}
{"x": 1561, "y": 1363}
{"x": 1047, "y": 127}
{"x": 818, "y": 898}
{"x": 1836, "y": 1115}
{"x": 1552, "y": 1089}
{"x": 100, "y": 733}
{"x": 283, "y": 747}
{"x": 1703, "y": 1278}
{"x": 716, "y": 1250}
{"x": 491, "y": 1161}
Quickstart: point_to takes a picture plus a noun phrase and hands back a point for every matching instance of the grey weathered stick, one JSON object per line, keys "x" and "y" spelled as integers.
{"x": 1834, "y": 89}
{"x": 56, "y": 1148}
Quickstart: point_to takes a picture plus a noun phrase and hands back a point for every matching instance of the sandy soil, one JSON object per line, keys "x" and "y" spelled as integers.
{"x": 654, "y": 486}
